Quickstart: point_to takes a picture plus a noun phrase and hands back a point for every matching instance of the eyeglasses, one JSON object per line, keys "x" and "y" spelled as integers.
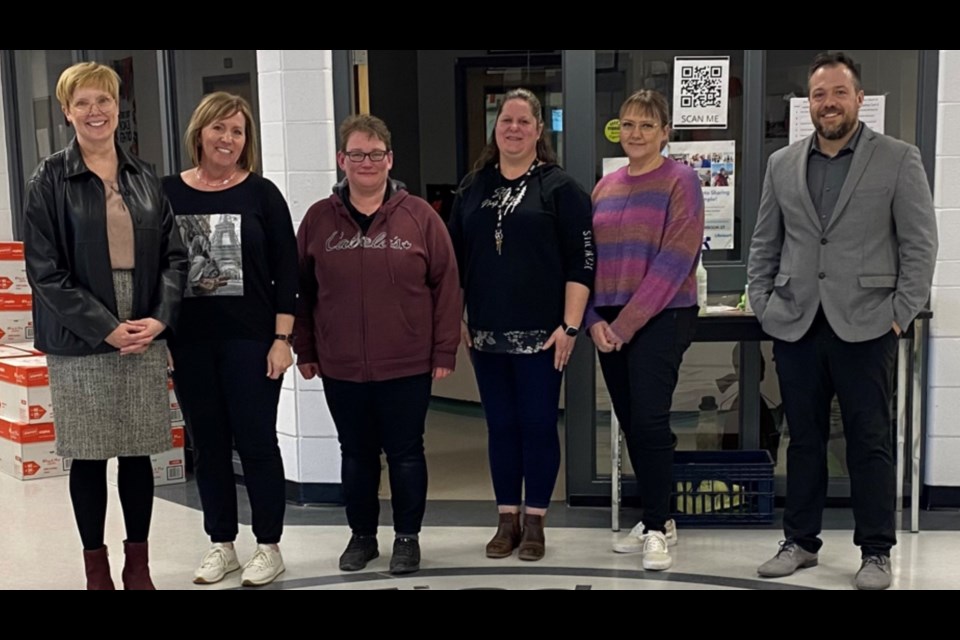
{"x": 375, "y": 156}
{"x": 103, "y": 103}
{"x": 646, "y": 128}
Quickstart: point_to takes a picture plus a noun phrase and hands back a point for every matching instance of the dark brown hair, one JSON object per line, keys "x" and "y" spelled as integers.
{"x": 833, "y": 60}
{"x": 491, "y": 153}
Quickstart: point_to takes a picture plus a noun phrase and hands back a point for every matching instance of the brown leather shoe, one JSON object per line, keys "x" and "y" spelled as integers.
{"x": 532, "y": 543}
{"x": 136, "y": 567}
{"x": 97, "y": 567}
{"x": 507, "y": 537}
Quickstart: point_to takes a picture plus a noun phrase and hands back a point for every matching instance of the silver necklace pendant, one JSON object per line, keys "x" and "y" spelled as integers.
{"x": 509, "y": 201}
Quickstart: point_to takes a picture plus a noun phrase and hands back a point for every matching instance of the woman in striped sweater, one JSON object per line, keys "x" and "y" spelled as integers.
{"x": 648, "y": 228}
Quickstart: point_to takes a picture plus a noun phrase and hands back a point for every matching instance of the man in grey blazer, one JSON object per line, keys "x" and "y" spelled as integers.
{"x": 841, "y": 262}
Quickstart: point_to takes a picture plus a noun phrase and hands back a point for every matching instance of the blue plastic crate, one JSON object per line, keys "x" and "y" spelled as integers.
{"x": 714, "y": 488}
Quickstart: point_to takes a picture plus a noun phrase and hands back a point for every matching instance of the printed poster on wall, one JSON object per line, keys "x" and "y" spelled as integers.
{"x": 871, "y": 114}
{"x": 701, "y": 90}
{"x": 714, "y": 163}
{"x": 127, "y": 118}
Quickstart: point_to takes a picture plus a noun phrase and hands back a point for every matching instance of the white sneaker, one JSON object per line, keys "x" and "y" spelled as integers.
{"x": 656, "y": 554}
{"x": 633, "y": 541}
{"x": 263, "y": 568}
{"x": 216, "y": 564}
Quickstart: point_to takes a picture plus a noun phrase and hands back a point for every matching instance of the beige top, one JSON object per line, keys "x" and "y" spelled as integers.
{"x": 119, "y": 228}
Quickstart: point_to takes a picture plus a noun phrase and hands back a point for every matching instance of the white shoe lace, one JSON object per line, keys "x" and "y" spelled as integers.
{"x": 261, "y": 560}
{"x": 215, "y": 558}
{"x": 655, "y": 542}
{"x": 637, "y": 531}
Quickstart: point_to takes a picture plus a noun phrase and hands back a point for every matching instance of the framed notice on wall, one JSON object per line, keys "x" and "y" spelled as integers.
{"x": 127, "y": 118}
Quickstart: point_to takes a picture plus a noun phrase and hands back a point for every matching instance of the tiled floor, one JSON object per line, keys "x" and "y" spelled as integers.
{"x": 40, "y": 548}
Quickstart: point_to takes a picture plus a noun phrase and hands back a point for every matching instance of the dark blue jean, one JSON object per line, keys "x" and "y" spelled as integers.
{"x": 387, "y": 416}
{"x": 228, "y": 400}
{"x": 521, "y": 396}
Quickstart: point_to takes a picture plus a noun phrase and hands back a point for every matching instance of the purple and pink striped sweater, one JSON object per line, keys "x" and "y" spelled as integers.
{"x": 648, "y": 231}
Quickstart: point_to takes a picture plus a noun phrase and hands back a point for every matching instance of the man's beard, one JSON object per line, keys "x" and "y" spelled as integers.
{"x": 838, "y": 132}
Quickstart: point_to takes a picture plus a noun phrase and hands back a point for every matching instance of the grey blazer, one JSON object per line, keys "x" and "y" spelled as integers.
{"x": 873, "y": 263}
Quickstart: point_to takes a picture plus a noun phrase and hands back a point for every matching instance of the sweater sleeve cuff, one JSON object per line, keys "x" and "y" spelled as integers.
{"x": 590, "y": 318}
{"x": 445, "y": 360}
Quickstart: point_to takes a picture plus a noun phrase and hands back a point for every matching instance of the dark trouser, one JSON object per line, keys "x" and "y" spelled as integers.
{"x": 521, "y": 396}
{"x": 811, "y": 370}
{"x": 228, "y": 400}
{"x": 88, "y": 492}
{"x": 641, "y": 379}
{"x": 390, "y": 416}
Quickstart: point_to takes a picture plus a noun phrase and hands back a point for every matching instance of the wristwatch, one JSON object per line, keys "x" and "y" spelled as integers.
{"x": 570, "y": 331}
{"x": 286, "y": 337}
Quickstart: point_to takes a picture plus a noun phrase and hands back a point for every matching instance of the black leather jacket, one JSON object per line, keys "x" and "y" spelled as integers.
{"x": 68, "y": 258}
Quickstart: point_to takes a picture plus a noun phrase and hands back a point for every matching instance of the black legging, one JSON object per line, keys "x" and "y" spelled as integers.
{"x": 88, "y": 491}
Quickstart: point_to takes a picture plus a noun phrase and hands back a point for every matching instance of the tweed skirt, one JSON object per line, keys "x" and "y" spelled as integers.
{"x": 107, "y": 405}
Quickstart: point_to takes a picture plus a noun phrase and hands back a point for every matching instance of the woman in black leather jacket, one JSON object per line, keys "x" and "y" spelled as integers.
{"x": 107, "y": 270}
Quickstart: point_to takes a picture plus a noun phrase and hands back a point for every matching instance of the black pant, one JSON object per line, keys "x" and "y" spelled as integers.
{"x": 88, "y": 492}
{"x": 641, "y": 379}
{"x": 372, "y": 416}
{"x": 811, "y": 370}
{"x": 227, "y": 399}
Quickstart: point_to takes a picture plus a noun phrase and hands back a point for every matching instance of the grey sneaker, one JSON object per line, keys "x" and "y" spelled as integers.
{"x": 875, "y": 573}
{"x": 790, "y": 558}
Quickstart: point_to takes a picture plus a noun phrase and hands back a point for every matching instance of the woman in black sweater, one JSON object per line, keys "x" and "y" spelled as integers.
{"x": 522, "y": 232}
{"x": 232, "y": 344}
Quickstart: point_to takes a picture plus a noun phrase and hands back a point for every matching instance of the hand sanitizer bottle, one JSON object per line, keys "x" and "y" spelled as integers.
{"x": 701, "y": 286}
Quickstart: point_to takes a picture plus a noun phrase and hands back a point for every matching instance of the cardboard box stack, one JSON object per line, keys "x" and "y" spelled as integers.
{"x": 27, "y": 423}
{"x": 16, "y": 301}
{"x": 27, "y": 434}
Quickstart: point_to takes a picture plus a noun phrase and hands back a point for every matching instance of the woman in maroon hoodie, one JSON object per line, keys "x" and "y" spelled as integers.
{"x": 378, "y": 319}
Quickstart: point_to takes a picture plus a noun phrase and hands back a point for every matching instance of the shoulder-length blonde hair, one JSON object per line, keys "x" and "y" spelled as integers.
{"x": 217, "y": 106}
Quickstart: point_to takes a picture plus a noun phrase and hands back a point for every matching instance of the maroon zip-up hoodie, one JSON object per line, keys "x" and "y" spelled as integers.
{"x": 381, "y": 306}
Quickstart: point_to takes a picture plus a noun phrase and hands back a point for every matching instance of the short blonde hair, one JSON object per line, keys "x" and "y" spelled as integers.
{"x": 87, "y": 74}
{"x": 218, "y": 106}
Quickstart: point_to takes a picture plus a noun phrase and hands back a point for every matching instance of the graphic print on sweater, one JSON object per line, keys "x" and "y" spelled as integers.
{"x": 214, "y": 251}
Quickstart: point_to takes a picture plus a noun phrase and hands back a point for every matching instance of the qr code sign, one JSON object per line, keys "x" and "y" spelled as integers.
{"x": 701, "y": 86}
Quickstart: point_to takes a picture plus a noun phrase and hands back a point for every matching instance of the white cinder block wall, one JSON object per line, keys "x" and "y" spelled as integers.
{"x": 943, "y": 427}
{"x": 6, "y": 222}
{"x": 299, "y": 155}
